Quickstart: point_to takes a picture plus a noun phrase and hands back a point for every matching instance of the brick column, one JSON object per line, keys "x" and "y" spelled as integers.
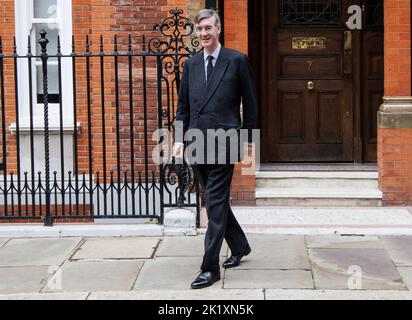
{"x": 236, "y": 37}
{"x": 395, "y": 115}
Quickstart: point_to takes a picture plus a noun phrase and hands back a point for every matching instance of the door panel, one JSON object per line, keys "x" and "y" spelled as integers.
{"x": 310, "y": 66}
{"x": 314, "y": 124}
{"x": 373, "y": 83}
{"x": 330, "y": 112}
{"x": 292, "y": 119}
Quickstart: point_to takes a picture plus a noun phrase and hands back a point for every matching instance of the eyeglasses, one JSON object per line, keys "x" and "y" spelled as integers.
{"x": 207, "y": 29}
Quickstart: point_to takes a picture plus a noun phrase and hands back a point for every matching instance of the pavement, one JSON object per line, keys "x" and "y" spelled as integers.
{"x": 280, "y": 267}
{"x": 322, "y": 221}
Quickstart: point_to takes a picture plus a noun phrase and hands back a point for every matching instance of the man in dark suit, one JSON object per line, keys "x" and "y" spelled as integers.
{"x": 213, "y": 85}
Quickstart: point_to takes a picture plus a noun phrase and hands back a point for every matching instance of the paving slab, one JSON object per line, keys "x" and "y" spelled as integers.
{"x": 82, "y": 276}
{"x": 214, "y": 294}
{"x": 173, "y": 273}
{"x": 46, "y": 296}
{"x": 275, "y": 279}
{"x": 338, "y": 242}
{"x": 276, "y": 252}
{"x": 370, "y": 269}
{"x": 406, "y": 273}
{"x": 37, "y": 252}
{"x": 400, "y": 249}
{"x": 273, "y": 294}
{"x": 116, "y": 248}
{"x": 23, "y": 279}
{"x": 3, "y": 241}
{"x": 185, "y": 247}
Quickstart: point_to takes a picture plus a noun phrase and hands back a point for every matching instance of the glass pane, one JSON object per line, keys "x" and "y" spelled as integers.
{"x": 53, "y": 84}
{"x": 375, "y": 13}
{"x": 45, "y": 8}
{"x": 51, "y": 35}
{"x": 310, "y": 12}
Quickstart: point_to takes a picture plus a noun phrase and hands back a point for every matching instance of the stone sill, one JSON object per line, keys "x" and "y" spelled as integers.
{"x": 395, "y": 113}
{"x": 24, "y": 129}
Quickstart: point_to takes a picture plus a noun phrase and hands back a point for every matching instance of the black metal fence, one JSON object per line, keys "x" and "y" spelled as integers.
{"x": 78, "y": 129}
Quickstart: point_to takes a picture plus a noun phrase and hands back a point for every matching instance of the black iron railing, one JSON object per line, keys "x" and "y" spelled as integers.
{"x": 92, "y": 154}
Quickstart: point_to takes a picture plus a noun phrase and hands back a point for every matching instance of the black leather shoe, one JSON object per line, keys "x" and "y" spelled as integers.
{"x": 234, "y": 261}
{"x": 205, "y": 279}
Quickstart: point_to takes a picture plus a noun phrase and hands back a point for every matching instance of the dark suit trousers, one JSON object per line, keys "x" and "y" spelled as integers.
{"x": 216, "y": 180}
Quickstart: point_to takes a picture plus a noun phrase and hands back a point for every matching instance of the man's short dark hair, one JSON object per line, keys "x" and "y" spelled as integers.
{"x": 208, "y": 13}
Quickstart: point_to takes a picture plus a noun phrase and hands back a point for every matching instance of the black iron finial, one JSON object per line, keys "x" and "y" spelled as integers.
{"x": 87, "y": 45}
{"x": 73, "y": 46}
{"x": 14, "y": 46}
{"x": 59, "y": 47}
{"x": 144, "y": 42}
{"x": 101, "y": 45}
{"x": 115, "y": 44}
{"x": 29, "y": 46}
{"x": 43, "y": 41}
{"x": 130, "y": 43}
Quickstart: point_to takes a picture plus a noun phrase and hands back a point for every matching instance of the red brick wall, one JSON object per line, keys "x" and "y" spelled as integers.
{"x": 395, "y": 145}
{"x": 397, "y": 48}
{"x": 236, "y": 25}
{"x": 7, "y": 33}
{"x": 124, "y": 17}
{"x": 395, "y": 164}
{"x": 108, "y": 18}
{"x": 7, "y": 21}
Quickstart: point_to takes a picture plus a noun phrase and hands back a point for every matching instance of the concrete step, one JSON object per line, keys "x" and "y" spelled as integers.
{"x": 325, "y": 221}
{"x": 318, "y": 197}
{"x": 310, "y": 179}
{"x": 317, "y": 188}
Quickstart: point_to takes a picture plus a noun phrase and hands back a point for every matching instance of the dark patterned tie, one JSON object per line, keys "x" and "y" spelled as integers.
{"x": 209, "y": 67}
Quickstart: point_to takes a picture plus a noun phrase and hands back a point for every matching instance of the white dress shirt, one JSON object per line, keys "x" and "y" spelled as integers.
{"x": 215, "y": 55}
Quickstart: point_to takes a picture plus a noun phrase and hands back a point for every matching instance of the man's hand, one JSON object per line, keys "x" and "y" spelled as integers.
{"x": 178, "y": 150}
{"x": 249, "y": 159}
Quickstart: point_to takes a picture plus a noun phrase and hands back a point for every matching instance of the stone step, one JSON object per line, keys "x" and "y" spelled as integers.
{"x": 318, "y": 197}
{"x": 318, "y": 188}
{"x": 337, "y": 193}
{"x": 311, "y": 179}
{"x": 331, "y": 220}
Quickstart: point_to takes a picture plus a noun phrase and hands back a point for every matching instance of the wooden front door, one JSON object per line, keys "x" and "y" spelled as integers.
{"x": 313, "y": 98}
{"x": 312, "y": 83}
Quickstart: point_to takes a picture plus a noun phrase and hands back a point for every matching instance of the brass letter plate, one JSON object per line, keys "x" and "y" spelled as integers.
{"x": 309, "y": 43}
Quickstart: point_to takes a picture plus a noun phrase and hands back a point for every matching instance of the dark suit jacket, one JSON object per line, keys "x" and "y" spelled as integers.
{"x": 216, "y": 105}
